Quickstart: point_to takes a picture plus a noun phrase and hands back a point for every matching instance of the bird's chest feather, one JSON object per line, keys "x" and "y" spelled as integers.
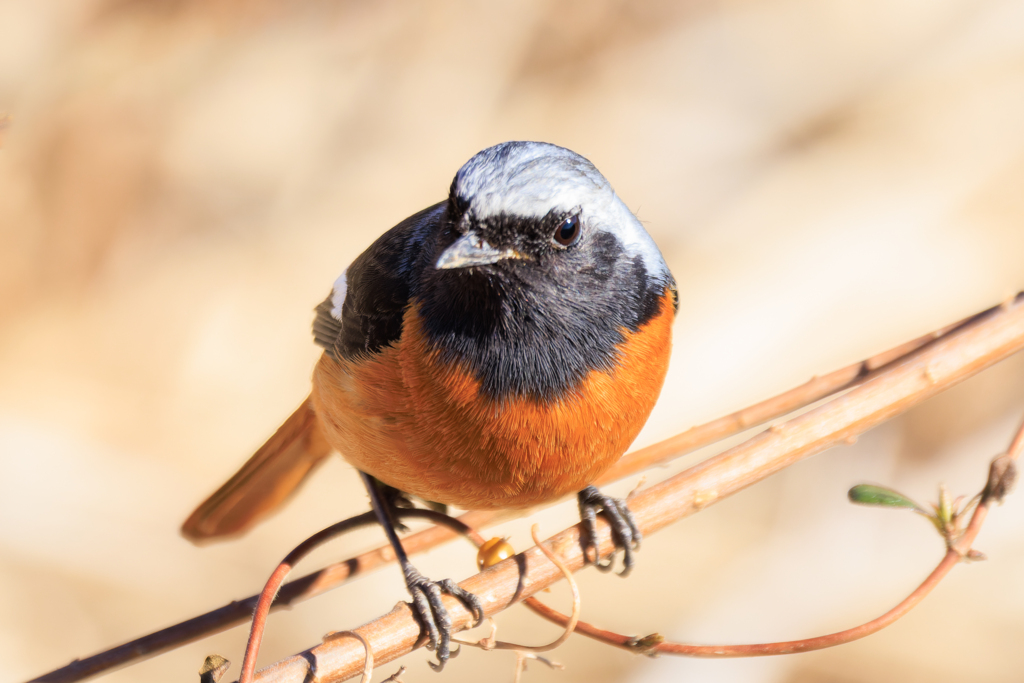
{"x": 422, "y": 425}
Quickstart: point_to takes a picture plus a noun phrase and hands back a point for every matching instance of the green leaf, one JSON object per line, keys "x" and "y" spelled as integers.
{"x": 868, "y": 494}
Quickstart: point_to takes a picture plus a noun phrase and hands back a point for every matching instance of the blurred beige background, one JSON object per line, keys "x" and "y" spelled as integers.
{"x": 181, "y": 181}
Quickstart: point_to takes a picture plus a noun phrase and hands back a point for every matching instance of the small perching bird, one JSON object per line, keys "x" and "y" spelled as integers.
{"x": 499, "y": 349}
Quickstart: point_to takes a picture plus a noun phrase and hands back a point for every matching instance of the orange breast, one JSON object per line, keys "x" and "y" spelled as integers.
{"x": 421, "y": 425}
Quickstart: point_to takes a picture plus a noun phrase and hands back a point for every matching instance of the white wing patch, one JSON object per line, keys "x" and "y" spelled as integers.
{"x": 338, "y": 295}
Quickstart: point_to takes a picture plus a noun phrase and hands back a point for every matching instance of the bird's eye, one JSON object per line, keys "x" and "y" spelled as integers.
{"x": 568, "y": 231}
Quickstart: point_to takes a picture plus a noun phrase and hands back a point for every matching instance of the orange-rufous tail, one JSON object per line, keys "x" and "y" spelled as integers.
{"x": 265, "y": 481}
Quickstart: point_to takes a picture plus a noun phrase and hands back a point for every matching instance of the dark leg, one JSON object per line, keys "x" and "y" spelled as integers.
{"x": 624, "y": 530}
{"x": 426, "y": 594}
{"x": 401, "y": 499}
{"x": 392, "y": 499}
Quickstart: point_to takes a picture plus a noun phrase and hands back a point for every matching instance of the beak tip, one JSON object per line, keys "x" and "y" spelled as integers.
{"x": 471, "y": 250}
{"x": 445, "y": 262}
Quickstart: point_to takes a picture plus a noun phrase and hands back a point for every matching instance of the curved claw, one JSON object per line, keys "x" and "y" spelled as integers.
{"x": 427, "y": 603}
{"x": 439, "y": 666}
{"x": 468, "y": 599}
{"x": 625, "y": 532}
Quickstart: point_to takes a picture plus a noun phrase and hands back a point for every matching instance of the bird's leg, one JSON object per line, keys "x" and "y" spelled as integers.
{"x": 401, "y": 499}
{"x": 393, "y": 499}
{"x": 624, "y": 530}
{"x": 426, "y": 594}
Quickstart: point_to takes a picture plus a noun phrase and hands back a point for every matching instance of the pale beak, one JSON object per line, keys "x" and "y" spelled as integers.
{"x": 472, "y": 250}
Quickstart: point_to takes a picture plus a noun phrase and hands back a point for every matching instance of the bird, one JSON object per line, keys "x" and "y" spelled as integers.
{"x": 497, "y": 350}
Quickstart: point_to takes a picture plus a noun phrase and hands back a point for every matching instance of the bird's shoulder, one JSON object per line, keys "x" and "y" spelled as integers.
{"x": 364, "y": 310}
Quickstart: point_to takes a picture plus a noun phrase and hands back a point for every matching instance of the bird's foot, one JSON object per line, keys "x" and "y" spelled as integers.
{"x": 624, "y": 530}
{"x": 426, "y": 602}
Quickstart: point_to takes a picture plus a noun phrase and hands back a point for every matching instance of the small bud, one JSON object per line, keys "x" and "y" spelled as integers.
{"x": 646, "y": 645}
{"x": 944, "y": 511}
{"x": 213, "y": 669}
{"x": 1002, "y": 476}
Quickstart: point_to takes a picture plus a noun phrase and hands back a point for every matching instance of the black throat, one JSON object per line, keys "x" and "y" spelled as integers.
{"x": 532, "y": 332}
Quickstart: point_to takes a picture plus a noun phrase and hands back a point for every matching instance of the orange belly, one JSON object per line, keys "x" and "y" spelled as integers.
{"x": 421, "y": 426}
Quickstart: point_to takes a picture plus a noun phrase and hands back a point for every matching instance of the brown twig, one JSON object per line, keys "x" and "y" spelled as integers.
{"x": 367, "y": 657}
{"x": 239, "y": 611}
{"x": 490, "y": 643}
{"x": 393, "y": 678}
{"x": 1002, "y": 473}
{"x": 901, "y": 385}
{"x": 799, "y": 397}
{"x": 270, "y": 589}
{"x": 273, "y": 584}
{"x": 311, "y": 585}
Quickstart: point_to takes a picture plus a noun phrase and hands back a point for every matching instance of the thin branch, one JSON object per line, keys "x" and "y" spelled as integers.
{"x": 569, "y": 625}
{"x": 240, "y": 611}
{"x": 941, "y": 364}
{"x": 273, "y": 584}
{"x": 311, "y": 585}
{"x": 367, "y": 672}
{"x": 1002, "y": 473}
{"x": 799, "y": 397}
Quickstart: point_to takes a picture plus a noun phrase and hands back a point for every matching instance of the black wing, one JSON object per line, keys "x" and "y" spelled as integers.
{"x": 379, "y": 283}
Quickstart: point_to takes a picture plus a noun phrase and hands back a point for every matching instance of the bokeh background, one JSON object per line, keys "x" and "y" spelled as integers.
{"x": 181, "y": 181}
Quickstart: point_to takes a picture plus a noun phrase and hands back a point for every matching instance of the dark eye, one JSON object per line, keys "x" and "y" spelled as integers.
{"x": 568, "y": 231}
